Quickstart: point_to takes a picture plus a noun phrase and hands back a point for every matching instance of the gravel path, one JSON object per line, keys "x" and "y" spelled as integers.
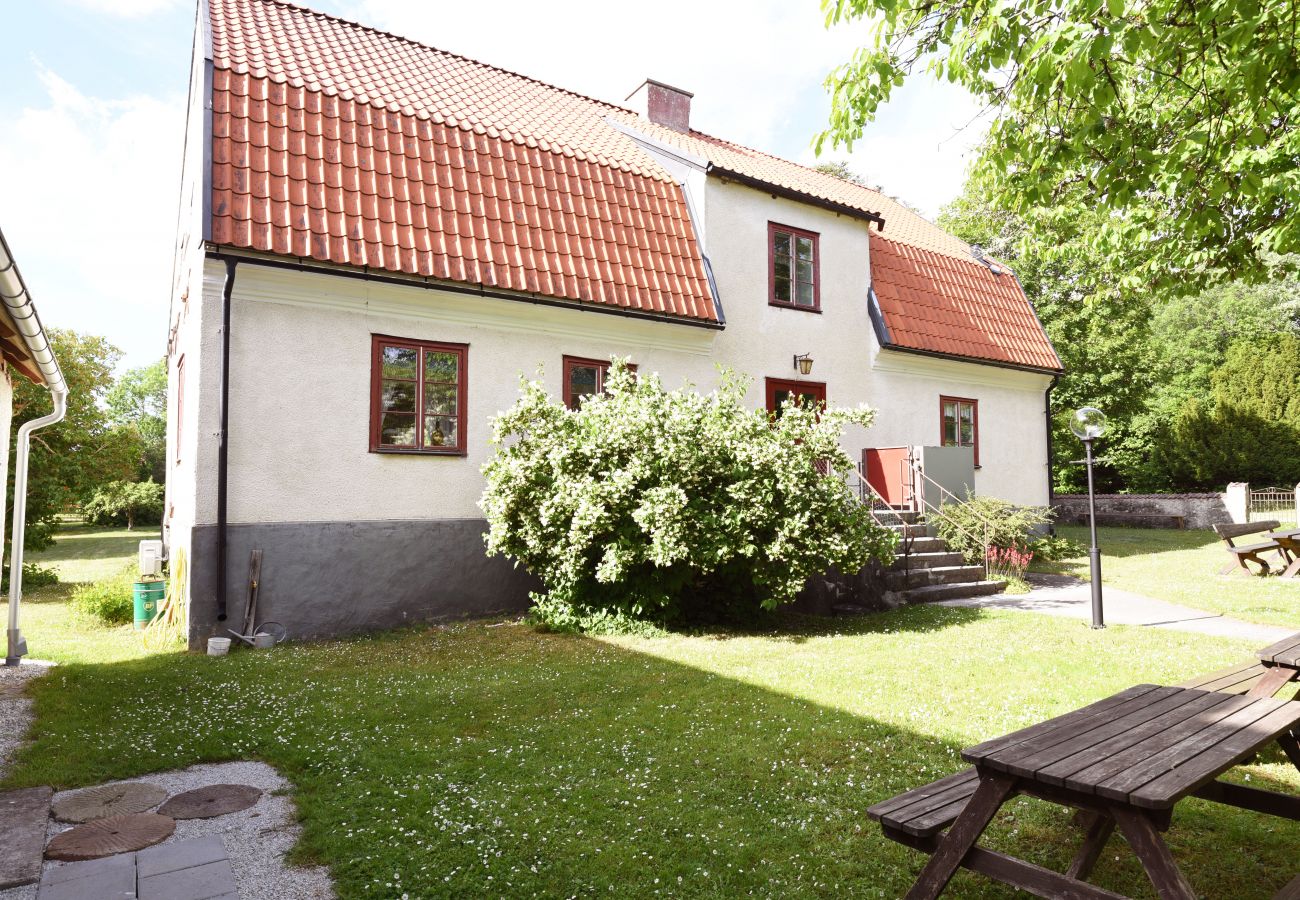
{"x": 15, "y": 709}
{"x": 256, "y": 839}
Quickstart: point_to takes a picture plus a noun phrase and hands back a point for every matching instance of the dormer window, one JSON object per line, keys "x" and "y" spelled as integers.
{"x": 793, "y": 279}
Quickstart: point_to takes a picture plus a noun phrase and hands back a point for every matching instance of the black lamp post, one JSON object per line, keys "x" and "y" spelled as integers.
{"x": 1088, "y": 424}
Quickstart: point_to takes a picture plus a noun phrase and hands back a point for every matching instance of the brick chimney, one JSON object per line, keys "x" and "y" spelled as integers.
{"x": 662, "y": 104}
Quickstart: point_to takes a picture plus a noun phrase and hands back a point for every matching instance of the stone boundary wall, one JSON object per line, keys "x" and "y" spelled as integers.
{"x": 1149, "y": 510}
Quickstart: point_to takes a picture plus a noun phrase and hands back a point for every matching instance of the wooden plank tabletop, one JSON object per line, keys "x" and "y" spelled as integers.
{"x": 1148, "y": 746}
{"x": 1285, "y": 652}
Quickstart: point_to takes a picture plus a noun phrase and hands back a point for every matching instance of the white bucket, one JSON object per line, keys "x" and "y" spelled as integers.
{"x": 218, "y": 646}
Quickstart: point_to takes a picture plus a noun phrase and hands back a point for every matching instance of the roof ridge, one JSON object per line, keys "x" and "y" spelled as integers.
{"x": 413, "y": 42}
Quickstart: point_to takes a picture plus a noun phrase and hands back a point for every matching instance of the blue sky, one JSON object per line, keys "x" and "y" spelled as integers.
{"x": 94, "y": 93}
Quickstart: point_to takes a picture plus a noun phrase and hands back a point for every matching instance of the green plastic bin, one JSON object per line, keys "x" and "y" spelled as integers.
{"x": 147, "y": 595}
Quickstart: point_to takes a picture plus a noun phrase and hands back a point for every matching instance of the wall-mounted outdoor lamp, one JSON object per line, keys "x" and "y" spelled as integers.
{"x": 1088, "y": 424}
{"x": 803, "y": 362}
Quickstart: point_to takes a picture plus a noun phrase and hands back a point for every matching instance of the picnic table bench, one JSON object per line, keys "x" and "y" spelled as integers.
{"x": 1126, "y": 761}
{"x": 1244, "y": 553}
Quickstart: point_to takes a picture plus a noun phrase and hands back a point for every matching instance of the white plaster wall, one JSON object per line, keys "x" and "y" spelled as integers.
{"x": 300, "y": 373}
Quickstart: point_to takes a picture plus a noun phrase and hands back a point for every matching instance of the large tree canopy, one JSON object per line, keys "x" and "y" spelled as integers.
{"x": 1176, "y": 119}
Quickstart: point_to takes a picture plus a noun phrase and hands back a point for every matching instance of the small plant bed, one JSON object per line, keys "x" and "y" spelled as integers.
{"x": 489, "y": 758}
{"x": 1181, "y": 567}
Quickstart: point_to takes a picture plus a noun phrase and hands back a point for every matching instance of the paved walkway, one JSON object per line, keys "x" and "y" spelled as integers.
{"x": 197, "y": 869}
{"x": 1063, "y": 595}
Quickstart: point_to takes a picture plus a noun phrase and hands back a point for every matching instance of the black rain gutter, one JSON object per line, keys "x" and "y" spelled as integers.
{"x": 777, "y": 190}
{"x": 223, "y": 438}
{"x": 952, "y": 357}
{"x": 299, "y": 264}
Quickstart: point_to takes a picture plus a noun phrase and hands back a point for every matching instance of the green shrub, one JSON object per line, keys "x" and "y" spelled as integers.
{"x": 108, "y": 600}
{"x": 646, "y": 505}
{"x": 34, "y": 576}
{"x": 968, "y": 524}
{"x": 1054, "y": 548}
{"x": 128, "y": 503}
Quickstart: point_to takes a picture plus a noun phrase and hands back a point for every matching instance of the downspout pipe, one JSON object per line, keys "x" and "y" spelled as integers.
{"x": 18, "y": 304}
{"x": 1047, "y": 415}
{"x": 223, "y": 439}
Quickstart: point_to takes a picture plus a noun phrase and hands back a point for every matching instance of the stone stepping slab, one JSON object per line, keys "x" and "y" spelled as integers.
{"x": 107, "y": 800}
{"x": 23, "y": 817}
{"x": 210, "y": 801}
{"x": 105, "y": 837}
{"x": 196, "y": 869}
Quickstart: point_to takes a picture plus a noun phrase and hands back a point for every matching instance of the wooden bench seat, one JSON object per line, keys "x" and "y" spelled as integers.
{"x": 1237, "y": 679}
{"x": 925, "y": 811}
{"x": 1248, "y": 553}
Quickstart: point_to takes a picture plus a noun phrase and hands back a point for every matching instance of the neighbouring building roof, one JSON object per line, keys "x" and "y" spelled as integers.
{"x": 340, "y": 143}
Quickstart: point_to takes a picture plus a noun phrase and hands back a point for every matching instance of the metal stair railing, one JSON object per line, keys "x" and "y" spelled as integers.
{"x": 882, "y": 512}
{"x": 926, "y": 508}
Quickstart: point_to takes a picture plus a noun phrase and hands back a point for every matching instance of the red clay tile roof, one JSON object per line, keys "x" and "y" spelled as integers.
{"x": 351, "y": 145}
{"x": 941, "y": 303}
{"x": 340, "y": 144}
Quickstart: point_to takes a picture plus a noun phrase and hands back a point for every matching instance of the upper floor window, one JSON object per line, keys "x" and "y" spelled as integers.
{"x": 793, "y": 277}
{"x": 960, "y": 424}
{"x": 583, "y": 378}
{"x": 417, "y": 400}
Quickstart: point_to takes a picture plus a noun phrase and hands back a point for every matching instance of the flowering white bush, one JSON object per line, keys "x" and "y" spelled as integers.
{"x": 672, "y": 506}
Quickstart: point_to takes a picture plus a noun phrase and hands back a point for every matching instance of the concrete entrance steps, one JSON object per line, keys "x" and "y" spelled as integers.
{"x": 23, "y": 816}
{"x": 929, "y": 571}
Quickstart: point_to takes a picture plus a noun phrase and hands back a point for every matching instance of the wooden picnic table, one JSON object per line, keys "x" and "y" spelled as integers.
{"x": 1281, "y": 665}
{"x": 1126, "y": 761}
{"x": 1288, "y": 540}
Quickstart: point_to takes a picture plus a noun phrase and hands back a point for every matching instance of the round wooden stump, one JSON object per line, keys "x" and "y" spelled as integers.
{"x": 108, "y": 800}
{"x": 116, "y": 834}
{"x": 212, "y": 800}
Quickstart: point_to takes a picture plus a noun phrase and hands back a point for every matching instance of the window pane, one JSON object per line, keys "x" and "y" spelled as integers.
{"x": 967, "y": 411}
{"x": 781, "y": 289}
{"x": 400, "y": 362}
{"x": 967, "y": 434}
{"x": 949, "y": 433}
{"x": 805, "y": 294}
{"x": 781, "y": 242}
{"x": 398, "y": 396}
{"x": 781, "y": 266}
{"x": 440, "y": 366}
{"x": 440, "y": 399}
{"x": 440, "y": 431}
{"x": 583, "y": 382}
{"x": 780, "y": 397}
{"x": 397, "y": 430}
{"x": 803, "y": 248}
{"x": 805, "y": 272}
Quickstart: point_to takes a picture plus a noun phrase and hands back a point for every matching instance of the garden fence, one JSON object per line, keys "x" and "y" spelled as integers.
{"x": 1274, "y": 503}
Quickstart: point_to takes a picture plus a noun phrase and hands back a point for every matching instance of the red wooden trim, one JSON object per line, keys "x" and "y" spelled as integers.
{"x": 772, "y": 229}
{"x": 602, "y": 369}
{"x": 975, "y": 423}
{"x": 815, "y": 388}
{"x": 180, "y": 402}
{"x": 378, "y": 341}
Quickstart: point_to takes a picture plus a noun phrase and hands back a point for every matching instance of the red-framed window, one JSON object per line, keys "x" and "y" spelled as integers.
{"x": 959, "y": 424}
{"x": 180, "y": 403}
{"x": 793, "y": 260}
{"x": 780, "y": 390}
{"x": 417, "y": 396}
{"x": 583, "y": 378}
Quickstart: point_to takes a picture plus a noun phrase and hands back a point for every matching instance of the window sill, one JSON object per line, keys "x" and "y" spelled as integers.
{"x": 398, "y": 451}
{"x": 810, "y": 309}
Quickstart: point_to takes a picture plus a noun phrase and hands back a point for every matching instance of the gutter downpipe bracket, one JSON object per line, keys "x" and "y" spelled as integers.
{"x": 18, "y": 303}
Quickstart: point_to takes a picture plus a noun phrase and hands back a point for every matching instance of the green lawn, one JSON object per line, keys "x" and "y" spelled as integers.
{"x": 486, "y": 758}
{"x": 1183, "y": 567}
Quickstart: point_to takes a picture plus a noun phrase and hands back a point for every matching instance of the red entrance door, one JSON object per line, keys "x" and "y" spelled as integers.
{"x": 779, "y": 391}
{"x": 884, "y": 468}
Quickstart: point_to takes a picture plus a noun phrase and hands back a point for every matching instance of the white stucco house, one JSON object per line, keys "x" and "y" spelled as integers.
{"x": 377, "y": 238}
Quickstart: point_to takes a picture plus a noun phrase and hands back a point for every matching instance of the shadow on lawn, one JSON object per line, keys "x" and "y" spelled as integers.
{"x": 465, "y": 759}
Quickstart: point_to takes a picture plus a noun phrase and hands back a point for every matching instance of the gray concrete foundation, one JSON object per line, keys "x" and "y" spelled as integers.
{"x": 324, "y": 579}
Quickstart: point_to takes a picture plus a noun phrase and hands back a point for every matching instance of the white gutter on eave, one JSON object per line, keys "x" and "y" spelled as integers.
{"x": 18, "y": 304}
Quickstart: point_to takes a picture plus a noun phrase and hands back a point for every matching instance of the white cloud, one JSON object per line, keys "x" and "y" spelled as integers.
{"x": 129, "y": 9}
{"x": 88, "y": 191}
